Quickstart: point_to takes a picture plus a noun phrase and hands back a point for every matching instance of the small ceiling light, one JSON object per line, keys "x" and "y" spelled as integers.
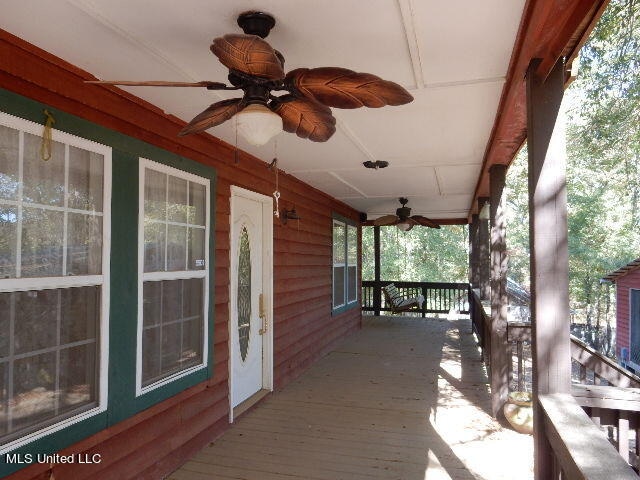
{"x": 404, "y": 226}
{"x": 257, "y": 124}
{"x": 377, "y": 164}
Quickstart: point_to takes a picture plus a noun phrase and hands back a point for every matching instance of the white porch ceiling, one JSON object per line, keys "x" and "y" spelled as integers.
{"x": 452, "y": 56}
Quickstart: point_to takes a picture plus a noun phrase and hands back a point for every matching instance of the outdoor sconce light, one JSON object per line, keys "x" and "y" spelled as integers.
{"x": 485, "y": 211}
{"x": 289, "y": 215}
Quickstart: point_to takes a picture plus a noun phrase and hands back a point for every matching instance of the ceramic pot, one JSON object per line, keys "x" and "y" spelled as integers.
{"x": 519, "y": 412}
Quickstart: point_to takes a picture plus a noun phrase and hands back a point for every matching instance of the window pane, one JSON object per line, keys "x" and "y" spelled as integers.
{"x": 77, "y": 377}
{"x": 192, "y": 292}
{"x": 176, "y": 248}
{"x": 85, "y": 179}
{"x": 41, "y": 242}
{"x": 151, "y": 303}
{"x": 154, "y": 246}
{"x": 80, "y": 314}
{"x": 9, "y": 139}
{"x": 43, "y": 180}
{"x": 338, "y": 286}
{"x": 171, "y": 301}
{"x": 171, "y": 344}
{"x": 5, "y": 312}
{"x": 352, "y": 283}
{"x": 35, "y": 319}
{"x": 196, "y": 249}
{"x": 172, "y": 341}
{"x": 84, "y": 244}
{"x": 4, "y": 392}
{"x": 8, "y": 241}
{"x": 352, "y": 245}
{"x": 177, "y": 197}
{"x": 338, "y": 242}
{"x": 34, "y": 398}
{"x": 197, "y": 204}
{"x": 155, "y": 195}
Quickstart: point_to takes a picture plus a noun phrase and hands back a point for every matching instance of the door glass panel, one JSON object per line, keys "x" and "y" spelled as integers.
{"x": 244, "y": 293}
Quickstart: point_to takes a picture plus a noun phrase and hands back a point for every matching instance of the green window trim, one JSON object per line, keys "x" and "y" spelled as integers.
{"x": 123, "y": 309}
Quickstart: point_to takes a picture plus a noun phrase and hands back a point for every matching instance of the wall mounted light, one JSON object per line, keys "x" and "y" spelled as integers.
{"x": 289, "y": 215}
{"x": 485, "y": 211}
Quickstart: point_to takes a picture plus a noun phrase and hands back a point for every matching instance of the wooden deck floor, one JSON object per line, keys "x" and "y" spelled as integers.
{"x": 404, "y": 398}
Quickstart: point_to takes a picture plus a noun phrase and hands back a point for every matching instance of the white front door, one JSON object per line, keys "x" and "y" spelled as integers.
{"x": 250, "y": 327}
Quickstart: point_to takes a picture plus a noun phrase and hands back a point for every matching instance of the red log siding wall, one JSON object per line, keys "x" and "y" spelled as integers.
{"x": 623, "y": 284}
{"x": 157, "y": 440}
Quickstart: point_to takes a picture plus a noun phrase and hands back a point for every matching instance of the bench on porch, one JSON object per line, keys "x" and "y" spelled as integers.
{"x": 400, "y": 303}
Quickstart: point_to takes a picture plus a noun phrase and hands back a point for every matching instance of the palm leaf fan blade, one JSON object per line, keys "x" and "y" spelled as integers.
{"x": 386, "y": 220}
{"x": 216, "y": 114}
{"x": 305, "y": 117}
{"x": 344, "y": 88}
{"x": 424, "y": 221}
{"x": 248, "y": 54}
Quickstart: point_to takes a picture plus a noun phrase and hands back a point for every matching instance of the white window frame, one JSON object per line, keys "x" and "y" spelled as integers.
{"x": 43, "y": 283}
{"x": 345, "y": 265}
{"x": 347, "y": 291}
{"x": 173, "y": 275}
{"x": 630, "y": 362}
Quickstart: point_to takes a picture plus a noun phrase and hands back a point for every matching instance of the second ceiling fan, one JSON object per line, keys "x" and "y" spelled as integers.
{"x": 403, "y": 218}
{"x": 258, "y": 70}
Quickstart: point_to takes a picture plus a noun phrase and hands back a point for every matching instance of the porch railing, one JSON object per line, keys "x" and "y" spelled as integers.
{"x": 481, "y": 326}
{"x": 439, "y": 297}
{"x": 608, "y": 394}
{"x": 579, "y": 450}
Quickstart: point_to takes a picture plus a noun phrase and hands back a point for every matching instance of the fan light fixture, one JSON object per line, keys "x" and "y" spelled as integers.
{"x": 257, "y": 124}
{"x": 404, "y": 226}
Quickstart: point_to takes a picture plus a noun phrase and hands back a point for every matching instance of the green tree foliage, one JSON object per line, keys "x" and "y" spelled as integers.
{"x": 419, "y": 255}
{"x": 603, "y": 167}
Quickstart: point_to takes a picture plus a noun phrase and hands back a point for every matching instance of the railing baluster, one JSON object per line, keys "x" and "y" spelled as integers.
{"x": 520, "y": 353}
{"x": 623, "y": 435}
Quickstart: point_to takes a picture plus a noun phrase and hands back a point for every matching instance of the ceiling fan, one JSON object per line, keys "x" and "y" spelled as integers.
{"x": 258, "y": 70}
{"x": 403, "y": 218}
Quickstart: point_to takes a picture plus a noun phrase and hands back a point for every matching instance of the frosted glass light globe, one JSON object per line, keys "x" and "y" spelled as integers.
{"x": 257, "y": 124}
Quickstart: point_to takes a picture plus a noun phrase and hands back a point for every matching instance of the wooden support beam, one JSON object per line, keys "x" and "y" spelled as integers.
{"x": 549, "y": 254}
{"x": 473, "y": 251}
{"x": 377, "y": 289}
{"x": 484, "y": 272}
{"x": 500, "y": 351}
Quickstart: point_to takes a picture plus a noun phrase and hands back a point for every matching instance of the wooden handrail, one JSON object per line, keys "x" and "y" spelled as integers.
{"x": 601, "y": 365}
{"x": 579, "y": 447}
{"x": 590, "y": 359}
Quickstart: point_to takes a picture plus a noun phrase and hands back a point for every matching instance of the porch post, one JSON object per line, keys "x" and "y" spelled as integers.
{"x": 500, "y": 351}
{"x": 473, "y": 250}
{"x": 549, "y": 254}
{"x": 484, "y": 271}
{"x": 377, "y": 292}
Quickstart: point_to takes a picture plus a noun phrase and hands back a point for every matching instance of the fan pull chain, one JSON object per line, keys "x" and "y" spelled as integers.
{"x": 45, "y": 146}
{"x": 236, "y": 159}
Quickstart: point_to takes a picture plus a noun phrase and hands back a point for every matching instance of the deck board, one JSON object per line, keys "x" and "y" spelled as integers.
{"x": 404, "y": 398}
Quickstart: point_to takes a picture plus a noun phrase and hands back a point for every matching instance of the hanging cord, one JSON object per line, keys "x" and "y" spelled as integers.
{"x": 274, "y": 165}
{"x": 46, "y": 145}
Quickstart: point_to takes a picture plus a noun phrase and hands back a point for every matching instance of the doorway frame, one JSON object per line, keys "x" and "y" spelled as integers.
{"x": 267, "y": 290}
